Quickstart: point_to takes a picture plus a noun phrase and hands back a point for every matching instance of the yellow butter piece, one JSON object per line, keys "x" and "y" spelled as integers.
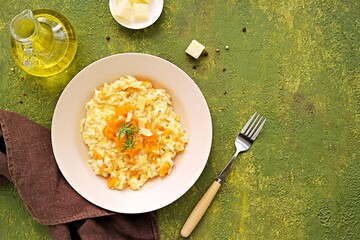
{"x": 195, "y": 49}
{"x": 141, "y": 11}
{"x": 123, "y": 10}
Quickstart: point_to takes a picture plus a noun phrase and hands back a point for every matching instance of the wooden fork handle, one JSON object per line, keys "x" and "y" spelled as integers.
{"x": 199, "y": 209}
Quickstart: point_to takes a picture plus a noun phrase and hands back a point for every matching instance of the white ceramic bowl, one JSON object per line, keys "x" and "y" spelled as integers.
{"x": 155, "y": 9}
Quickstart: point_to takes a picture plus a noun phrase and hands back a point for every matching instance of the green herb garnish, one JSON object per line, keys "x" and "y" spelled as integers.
{"x": 127, "y": 131}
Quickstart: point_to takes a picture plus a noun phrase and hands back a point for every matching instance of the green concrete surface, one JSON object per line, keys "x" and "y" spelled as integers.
{"x": 297, "y": 62}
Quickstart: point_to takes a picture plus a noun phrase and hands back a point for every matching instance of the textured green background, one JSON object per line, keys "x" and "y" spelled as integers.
{"x": 297, "y": 63}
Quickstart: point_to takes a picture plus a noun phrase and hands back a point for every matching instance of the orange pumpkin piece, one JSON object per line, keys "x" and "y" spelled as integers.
{"x": 101, "y": 170}
{"x": 166, "y": 133}
{"x": 151, "y": 139}
{"x": 115, "y": 123}
{"x": 164, "y": 169}
{"x": 96, "y": 155}
{"x": 109, "y": 133}
{"x": 135, "y": 150}
{"x": 111, "y": 182}
{"x": 119, "y": 143}
{"x": 134, "y": 174}
{"x": 124, "y": 109}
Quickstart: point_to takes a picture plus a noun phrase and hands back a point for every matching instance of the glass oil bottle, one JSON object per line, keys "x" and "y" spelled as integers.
{"x": 43, "y": 42}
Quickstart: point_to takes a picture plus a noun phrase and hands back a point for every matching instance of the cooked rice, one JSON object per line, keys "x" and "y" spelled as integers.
{"x": 158, "y": 135}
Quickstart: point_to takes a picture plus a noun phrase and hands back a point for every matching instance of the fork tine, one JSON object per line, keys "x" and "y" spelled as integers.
{"x": 258, "y": 130}
{"x": 252, "y": 125}
{"x": 255, "y": 127}
{"x": 247, "y": 124}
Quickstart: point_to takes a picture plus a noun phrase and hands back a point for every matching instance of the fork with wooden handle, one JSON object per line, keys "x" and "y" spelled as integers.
{"x": 243, "y": 142}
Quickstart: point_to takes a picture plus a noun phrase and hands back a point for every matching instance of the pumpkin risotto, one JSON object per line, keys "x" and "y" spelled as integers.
{"x": 131, "y": 132}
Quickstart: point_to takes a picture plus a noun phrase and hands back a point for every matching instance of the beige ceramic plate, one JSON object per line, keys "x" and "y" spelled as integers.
{"x": 71, "y": 153}
{"x": 155, "y": 9}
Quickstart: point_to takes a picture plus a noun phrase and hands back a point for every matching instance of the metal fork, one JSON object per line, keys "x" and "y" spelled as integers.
{"x": 243, "y": 142}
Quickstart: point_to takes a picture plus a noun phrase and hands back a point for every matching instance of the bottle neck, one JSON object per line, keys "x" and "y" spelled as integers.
{"x": 24, "y": 27}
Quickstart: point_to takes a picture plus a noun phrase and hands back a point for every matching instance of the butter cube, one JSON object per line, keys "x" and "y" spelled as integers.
{"x": 123, "y": 10}
{"x": 141, "y": 11}
{"x": 195, "y": 49}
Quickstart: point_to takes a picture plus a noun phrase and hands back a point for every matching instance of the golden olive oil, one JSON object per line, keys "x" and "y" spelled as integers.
{"x": 43, "y": 43}
{"x": 24, "y": 28}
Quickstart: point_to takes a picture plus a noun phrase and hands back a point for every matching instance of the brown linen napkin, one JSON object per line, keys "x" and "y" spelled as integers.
{"x": 27, "y": 160}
